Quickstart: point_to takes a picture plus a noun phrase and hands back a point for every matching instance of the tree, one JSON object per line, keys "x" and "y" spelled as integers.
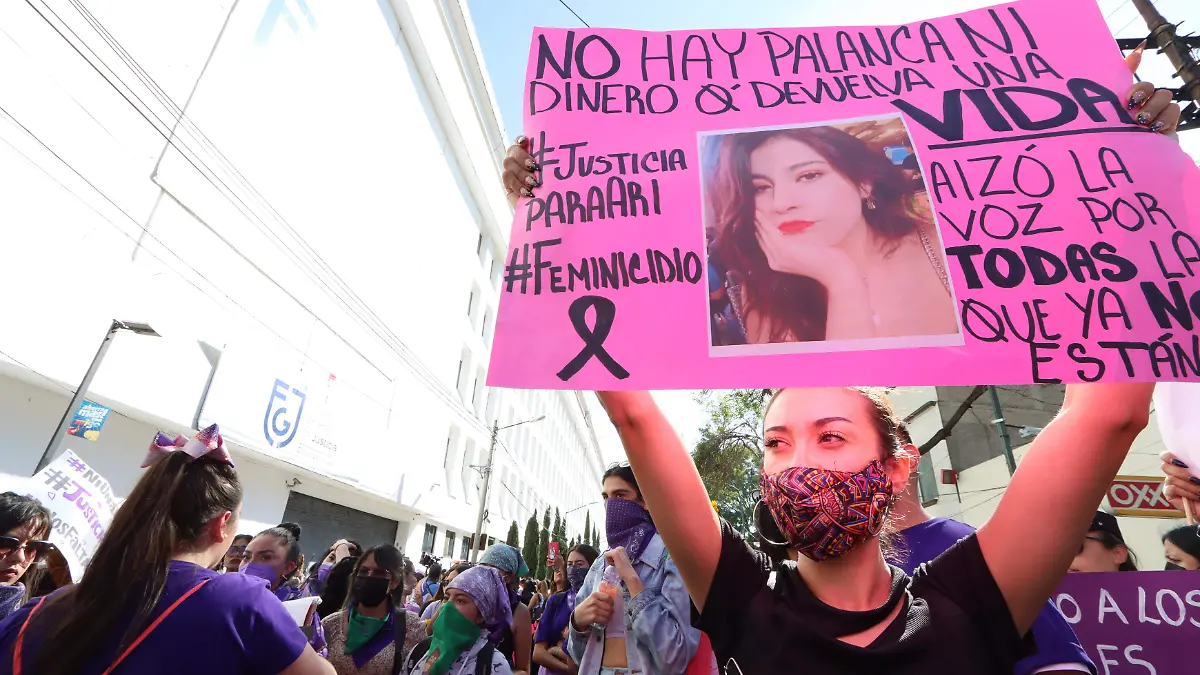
{"x": 595, "y": 538}
{"x": 560, "y": 530}
{"x": 543, "y": 546}
{"x": 729, "y": 453}
{"x": 587, "y": 526}
{"x": 513, "y": 533}
{"x": 530, "y": 550}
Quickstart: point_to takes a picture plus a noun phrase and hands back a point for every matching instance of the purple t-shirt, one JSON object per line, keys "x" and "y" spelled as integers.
{"x": 232, "y": 625}
{"x": 1056, "y": 641}
{"x": 554, "y": 620}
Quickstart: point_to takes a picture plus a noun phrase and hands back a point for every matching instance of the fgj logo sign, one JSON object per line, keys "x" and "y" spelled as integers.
{"x": 1140, "y": 496}
{"x": 279, "y": 424}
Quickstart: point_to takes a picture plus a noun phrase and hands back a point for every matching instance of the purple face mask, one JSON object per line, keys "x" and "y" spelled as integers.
{"x": 262, "y": 571}
{"x": 323, "y": 572}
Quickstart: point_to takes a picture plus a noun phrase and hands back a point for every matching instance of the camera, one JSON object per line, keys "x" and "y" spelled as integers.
{"x": 427, "y": 559}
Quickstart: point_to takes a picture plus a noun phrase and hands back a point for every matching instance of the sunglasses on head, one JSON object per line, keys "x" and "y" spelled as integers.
{"x": 33, "y": 550}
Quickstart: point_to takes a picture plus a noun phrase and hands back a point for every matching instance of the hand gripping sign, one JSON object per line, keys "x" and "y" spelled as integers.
{"x": 964, "y": 199}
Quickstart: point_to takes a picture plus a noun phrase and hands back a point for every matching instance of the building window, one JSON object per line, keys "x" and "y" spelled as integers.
{"x": 449, "y": 544}
{"x": 471, "y": 302}
{"x": 491, "y": 541}
{"x": 465, "y": 554}
{"x": 483, "y": 248}
{"x": 430, "y": 536}
{"x": 927, "y": 480}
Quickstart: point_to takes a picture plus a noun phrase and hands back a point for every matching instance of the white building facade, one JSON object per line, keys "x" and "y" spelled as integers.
{"x": 302, "y": 197}
{"x": 970, "y": 491}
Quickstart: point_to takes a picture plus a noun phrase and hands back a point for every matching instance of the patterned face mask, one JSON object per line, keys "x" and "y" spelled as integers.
{"x": 825, "y": 514}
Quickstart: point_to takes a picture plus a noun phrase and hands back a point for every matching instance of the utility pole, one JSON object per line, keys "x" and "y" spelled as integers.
{"x": 1164, "y": 36}
{"x": 487, "y": 482}
{"x": 1003, "y": 431}
{"x": 486, "y": 470}
{"x": 64, "y": 424}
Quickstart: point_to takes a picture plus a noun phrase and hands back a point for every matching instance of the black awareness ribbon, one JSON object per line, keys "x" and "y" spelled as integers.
{"x": 593, "y": 336}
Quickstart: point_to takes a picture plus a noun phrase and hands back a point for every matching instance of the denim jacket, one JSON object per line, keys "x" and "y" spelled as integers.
{"x": 659, "y": 637}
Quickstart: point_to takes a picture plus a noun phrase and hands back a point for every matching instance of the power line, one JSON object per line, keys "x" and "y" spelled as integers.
{"x": 564, "y": 4}
{"x": 373, "y": 323}
{"x": 164, "y": 263}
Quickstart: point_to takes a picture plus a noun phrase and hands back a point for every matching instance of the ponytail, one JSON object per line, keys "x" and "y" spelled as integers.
{"x": 170, "y": 505}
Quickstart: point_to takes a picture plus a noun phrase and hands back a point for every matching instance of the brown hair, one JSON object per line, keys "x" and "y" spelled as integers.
{"x": 169, "y": 506}
{"x": 796, "y": 306}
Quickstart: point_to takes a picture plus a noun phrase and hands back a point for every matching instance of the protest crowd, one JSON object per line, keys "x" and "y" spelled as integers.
{"x": 849, "y": 574}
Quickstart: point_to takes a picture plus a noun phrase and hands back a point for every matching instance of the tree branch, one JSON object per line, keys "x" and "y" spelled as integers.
{"x": 948, "y": 428}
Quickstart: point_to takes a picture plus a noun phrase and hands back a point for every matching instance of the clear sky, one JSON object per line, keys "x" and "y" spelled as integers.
{"x": 504, "y": 29}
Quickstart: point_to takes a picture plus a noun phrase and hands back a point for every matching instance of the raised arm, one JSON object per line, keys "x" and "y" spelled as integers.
{"x": 671, "y": 487}
{"x": 1054, "y": 494}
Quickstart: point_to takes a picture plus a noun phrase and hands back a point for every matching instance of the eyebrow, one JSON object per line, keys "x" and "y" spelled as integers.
{"x": 818, "y": 423}
{"x": 790, "y": 168}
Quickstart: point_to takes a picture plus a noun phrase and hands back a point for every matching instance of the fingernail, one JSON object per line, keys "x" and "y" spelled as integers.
{"x": 1142, "y": 118}
{"x": 521, "y": 140}
{"x": 1157, "y": 126}
{"x": 526, "y": 193}
{"x": 530, "y": 181}
{"x": 531, "y": 165}
{"x": 1138, "y": 49}
{"x": 1179, "y": 464}
{"x": 1195, "y": 481}
{"x": 1136, "y": 99}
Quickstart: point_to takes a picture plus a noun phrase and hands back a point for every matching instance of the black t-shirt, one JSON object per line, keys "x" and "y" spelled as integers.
{"x": 954, "y": 620}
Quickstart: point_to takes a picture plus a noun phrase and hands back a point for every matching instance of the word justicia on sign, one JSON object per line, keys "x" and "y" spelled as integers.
{"x": 963, "y": 199}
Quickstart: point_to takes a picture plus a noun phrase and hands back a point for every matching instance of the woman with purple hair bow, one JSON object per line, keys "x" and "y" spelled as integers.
{"x": 475, "y": 614}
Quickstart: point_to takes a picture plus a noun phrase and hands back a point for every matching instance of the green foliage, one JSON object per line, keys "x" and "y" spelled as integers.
{"x": 530, "y": 550}
{"x": 587, "y": 526}
{"x": 543, "y": 547}
{"x": 560, "y": 530}
{"x": 729, "y": 453}
{"x": 513, "y": 533}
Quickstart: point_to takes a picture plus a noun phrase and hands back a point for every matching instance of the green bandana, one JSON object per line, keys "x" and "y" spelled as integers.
{"x": 453, "y": 634}
{"x": 360, "y": 631}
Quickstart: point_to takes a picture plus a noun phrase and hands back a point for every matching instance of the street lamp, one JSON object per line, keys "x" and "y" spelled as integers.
{"x": 81, "y": 391}
{"x": 487, "y": 482}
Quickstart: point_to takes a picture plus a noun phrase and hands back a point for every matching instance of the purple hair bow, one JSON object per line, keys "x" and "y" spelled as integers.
{"x": 206, "y": 442}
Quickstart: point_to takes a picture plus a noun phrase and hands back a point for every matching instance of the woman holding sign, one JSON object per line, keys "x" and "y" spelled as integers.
{"x": 149, "y": 602}
{"x": 831, "y": 469}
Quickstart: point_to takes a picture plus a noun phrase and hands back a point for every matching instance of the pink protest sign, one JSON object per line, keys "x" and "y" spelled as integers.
{"x": 960, "y": 200}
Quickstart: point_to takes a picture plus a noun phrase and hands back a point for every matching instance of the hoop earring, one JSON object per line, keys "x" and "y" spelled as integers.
{"x": 758, "y": 524}
{"x": 870, "y": 200}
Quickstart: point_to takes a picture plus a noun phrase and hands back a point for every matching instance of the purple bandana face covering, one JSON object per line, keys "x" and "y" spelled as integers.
{"x": 270, "y": 574}
{"x": 323, "y": 572}
{"x": 575, "y": 577}
{"x": 628, "y": 524}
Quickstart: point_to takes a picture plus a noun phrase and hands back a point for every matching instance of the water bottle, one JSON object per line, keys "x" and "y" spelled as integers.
{"x": 610, "y": 585}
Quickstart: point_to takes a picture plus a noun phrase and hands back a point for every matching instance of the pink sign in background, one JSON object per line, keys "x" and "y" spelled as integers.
{"x": 1046, "y": 165}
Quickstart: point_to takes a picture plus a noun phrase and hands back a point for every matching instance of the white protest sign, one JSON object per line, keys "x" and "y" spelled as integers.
{"x": 1177, "y": 406}
{"x": 301, "y": 609}
{"x": 82, "y": 504}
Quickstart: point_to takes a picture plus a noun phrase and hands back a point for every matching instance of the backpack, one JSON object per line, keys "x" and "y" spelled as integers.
{"x": 483, "y": 660}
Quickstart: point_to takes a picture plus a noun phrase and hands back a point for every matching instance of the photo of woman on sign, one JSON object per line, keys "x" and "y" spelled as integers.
{"x": 825, "y": 235}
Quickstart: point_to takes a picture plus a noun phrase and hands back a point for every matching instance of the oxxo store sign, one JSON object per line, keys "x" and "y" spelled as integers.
{"x": 1140, "y": 496}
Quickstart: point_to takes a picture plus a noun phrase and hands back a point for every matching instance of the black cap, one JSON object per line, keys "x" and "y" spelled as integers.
{"x": 1106, "y": 522}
